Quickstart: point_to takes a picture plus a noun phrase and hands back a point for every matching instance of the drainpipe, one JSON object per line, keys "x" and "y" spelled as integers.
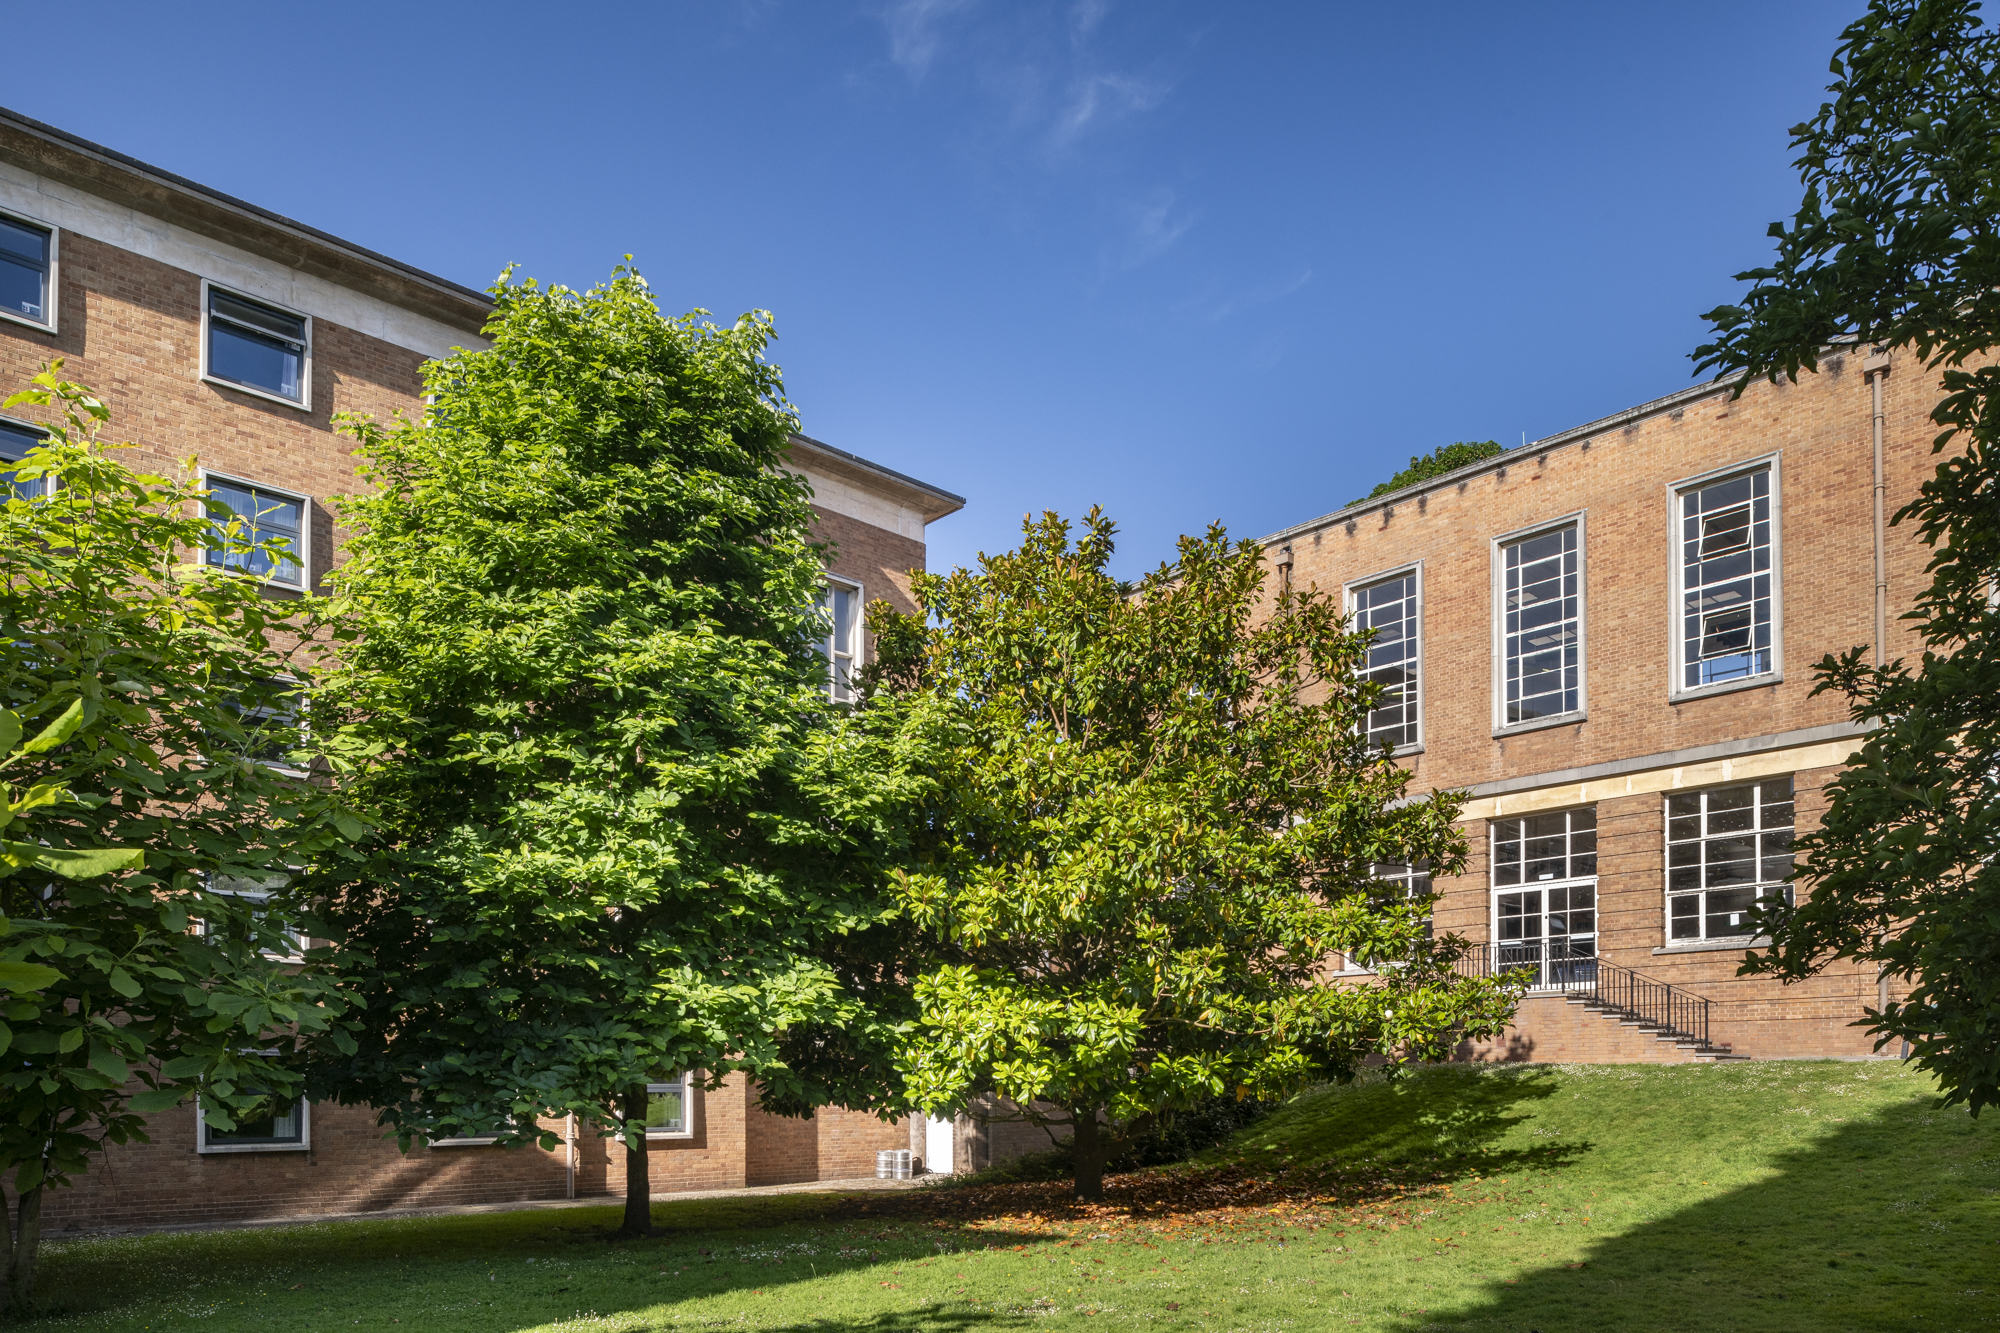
{"x": 1877, "y": 369}
{"x": 569, "y": 1156}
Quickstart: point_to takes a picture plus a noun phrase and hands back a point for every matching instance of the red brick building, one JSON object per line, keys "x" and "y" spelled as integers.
{"x": 1607, "y": 636}
{"x": 215, "y": 329}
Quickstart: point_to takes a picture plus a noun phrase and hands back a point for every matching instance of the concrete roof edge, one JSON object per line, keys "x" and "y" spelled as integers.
{"x": 253, "y": 227}
{"x": 934, "y": 501}
{"x": 1504, "y": 459}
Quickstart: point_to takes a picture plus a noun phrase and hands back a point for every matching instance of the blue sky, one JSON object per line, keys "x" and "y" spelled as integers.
{"x": 1192, "y": 262}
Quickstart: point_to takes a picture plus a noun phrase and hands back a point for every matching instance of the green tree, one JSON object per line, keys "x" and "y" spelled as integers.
{"x": 1156, "y": 816}
{"x": 1445, "y": 458}
{"x": 1897, "y": 245}
{"x": 615, "y": 839}
{"x": 157, "y": 690}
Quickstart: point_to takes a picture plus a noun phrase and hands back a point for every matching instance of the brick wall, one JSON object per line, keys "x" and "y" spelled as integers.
{"x": 1619, "y": 479}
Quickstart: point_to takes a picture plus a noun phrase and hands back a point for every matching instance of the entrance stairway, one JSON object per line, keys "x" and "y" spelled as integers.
{"x": 1672, "y": 1016}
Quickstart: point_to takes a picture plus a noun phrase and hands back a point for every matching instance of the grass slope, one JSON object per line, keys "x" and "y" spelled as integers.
{"x": 1781, "y": 1196}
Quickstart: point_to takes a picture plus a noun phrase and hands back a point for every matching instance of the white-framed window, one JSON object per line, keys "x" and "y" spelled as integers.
{"x": 1727, "y": 609}
{"x": 283, "y": 1128}
{"x": 840, "y": 618}
{"x": 271, "y": 731}
{"x": 1727, "y": 848}
{"x": 1538, "y": 586}
{"x": 275, "y": 939}
{"x": 670, "y": 1109}
{"x": 256, "y": 347}
{"x": 16, "y": 439}
{"x": 1544, "y": 871}
{"x": 248, "y": 512}
{"x": 27, "y": 271}
{"x": 1392, "y": 606}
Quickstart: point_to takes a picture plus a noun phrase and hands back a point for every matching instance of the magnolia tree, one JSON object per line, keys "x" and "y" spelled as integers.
{"x": 615, "y": 843}
{"x": 1155, "y": 818}
{"x": 145, "y": 730}
{"x": 1897, "y": 244}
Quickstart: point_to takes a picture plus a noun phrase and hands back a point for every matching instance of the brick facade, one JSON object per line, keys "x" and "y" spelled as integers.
{"x": 135, "y": 247}
{"x": 1636, "y": 740}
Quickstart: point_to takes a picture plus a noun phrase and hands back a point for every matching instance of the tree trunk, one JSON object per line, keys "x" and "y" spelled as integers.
{"x": 21, "y": 1259}
{"x": 1087, "y": 1151}
{"x": 638, "y": 1172}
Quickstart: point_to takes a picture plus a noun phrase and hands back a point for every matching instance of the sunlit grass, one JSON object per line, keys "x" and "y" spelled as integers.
{"x": 1773, "y": 1196}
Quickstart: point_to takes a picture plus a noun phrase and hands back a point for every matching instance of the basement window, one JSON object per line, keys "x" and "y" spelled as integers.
{"x": 668, "y": 1109}
{"x": 27, "y": 271}
{"x": 256, "y": 347}
{"x": 283, "y": 1127}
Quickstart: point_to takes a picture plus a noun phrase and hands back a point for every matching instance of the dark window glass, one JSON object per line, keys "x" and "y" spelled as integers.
{"x": 280, "y": 1124}
{"x": 1536, "y": 848}
{"x": 1540, "y": 649}
{"x": 15, "y": 442}
{"x": 24, "y": 270}
{"x": 1726, "y": 849}
{"x": 247, "y": 516}
{"x": 256, "y": 346}
{"x": 1726, "y": 580}
{"x": 1390, "y": 609}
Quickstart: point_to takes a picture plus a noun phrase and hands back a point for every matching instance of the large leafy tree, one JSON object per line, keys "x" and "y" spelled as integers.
{"x": 1897, "y": 245}
{"x": 143, "y": 724}
{"x": 615, "y": 840}
{"x": 1156, "y": 817}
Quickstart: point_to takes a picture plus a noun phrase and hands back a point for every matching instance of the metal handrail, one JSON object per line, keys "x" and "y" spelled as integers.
{"x": 1559, "y": 965}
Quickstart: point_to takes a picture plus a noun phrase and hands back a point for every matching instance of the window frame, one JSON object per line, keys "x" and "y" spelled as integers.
{"x": 205, "y": 477}
{"x": 254, "y": 897}
{"x": 858, "y": 630}
{"x": 1498, "y": 610}
{"x": 203, "y": 1147}
{"x": 304, "y": 401}
{"x": 1757, "y": 887}
{"x": 1351, "y": 592}
{"x": 1595, "y": 880}
{"x": 51, "y": 293}
{"x": 685, "y": 1082}
{"x": 32, "y": 428}
{"x": 1677, "y": 575}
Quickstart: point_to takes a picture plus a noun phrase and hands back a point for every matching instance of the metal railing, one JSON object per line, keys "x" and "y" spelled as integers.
{"x": 1564, "y": 965}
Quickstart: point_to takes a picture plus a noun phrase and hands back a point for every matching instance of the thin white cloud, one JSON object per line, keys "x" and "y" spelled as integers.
{"x": 1155, "y": 229}
{"x": 914, "y": 37}
{"x": 1085, "y": 15}
{"x": 1210, "y": 308}
{"x": 1102, "y": 96}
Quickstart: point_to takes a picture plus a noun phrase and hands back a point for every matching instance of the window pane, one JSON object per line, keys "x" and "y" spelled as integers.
{"x": 14, "y": 446}
{"x": 666, "y": 1107}
{"x": 1725, "y": 564}
{"x": 253, "y": 360}
{"x": 258, "y": 516}
{"x": 1389, "y": 609}
{"x": 21, "y": 241}
{"x": 280, "y": 1124}
{"x": 1542, "y": 627}
{"x": 1729, "y": 913}
{"x": 261, "y": 318}
{"x": 24, "y": 289}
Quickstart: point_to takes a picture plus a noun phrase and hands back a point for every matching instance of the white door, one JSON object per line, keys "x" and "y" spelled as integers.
{"x": 937, "y": 1146}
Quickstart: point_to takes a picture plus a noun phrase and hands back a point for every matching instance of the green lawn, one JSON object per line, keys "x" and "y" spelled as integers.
{"x": 1793, "y": 1196}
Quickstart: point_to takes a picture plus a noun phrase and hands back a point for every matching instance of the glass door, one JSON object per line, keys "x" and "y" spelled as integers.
{"x": 1551, "y": 930}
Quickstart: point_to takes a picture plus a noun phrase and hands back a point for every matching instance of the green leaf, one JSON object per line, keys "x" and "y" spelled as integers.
{"x": 76, "y": 862}
{"x": 185, "y": 1066}
{"x": 69, "y": 1041}
{"x": 122, "y": 982}
{"x": 27, "y": 976}
{"x": 10, "y": 730}
{"x": 29, "y": 1176}
{"x": 57, "y": 731}
{"x": 107, "y": 1062}
{"x": 155, "y": 1100}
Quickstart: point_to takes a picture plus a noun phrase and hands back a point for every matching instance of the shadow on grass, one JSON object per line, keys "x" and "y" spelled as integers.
{"x": 1871, "y": 1226}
